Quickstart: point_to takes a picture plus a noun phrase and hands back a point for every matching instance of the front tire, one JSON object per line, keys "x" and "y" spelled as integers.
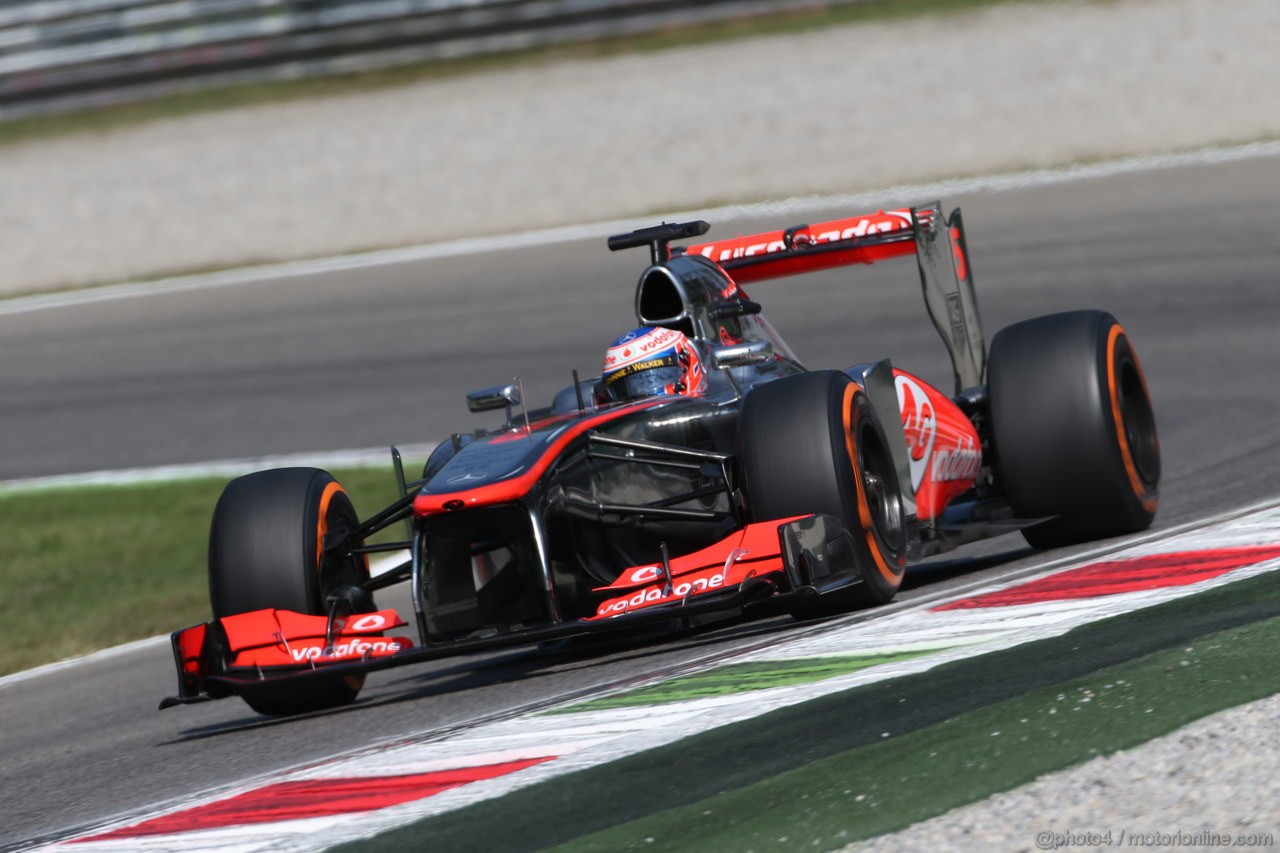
{"x": 811, "y": 444}
{"x": 1073, "y": 428}
{"x": 266, "y": 550}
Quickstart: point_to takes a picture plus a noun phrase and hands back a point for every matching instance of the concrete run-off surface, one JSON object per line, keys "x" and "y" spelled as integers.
{"x": 573, "y": 141}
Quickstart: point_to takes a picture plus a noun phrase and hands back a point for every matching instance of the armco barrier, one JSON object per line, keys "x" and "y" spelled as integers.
{"x": 63, "y": 55}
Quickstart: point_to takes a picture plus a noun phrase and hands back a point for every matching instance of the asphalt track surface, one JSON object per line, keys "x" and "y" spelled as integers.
{"x": 1186, "y": 258}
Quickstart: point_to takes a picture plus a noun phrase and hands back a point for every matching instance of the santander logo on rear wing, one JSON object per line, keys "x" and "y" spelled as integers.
{"x": 808, "y": 248}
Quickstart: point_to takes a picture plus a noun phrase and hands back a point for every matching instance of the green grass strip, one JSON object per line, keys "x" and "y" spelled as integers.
{"x": 888, "y": 786}
{"x": 742, "y": 678}
{"x": 911, "y": 747}
{"x": 88, "y": 567}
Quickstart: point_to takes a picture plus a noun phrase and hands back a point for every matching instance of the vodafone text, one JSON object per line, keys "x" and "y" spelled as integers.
{"x": 348, "y": 649}
{"x": 656, "y": 594}
{"x": 960, "y": 463}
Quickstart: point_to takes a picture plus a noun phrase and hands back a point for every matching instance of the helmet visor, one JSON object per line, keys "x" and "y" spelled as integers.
{"x": 645, "y": 383}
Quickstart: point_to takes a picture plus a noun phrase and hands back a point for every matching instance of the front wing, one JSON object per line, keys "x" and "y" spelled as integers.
{"x": 263, "y": 649}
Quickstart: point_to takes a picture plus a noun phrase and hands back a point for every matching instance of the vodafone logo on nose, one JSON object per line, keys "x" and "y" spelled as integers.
{"x": 690, "y": 585}
{"x": 349, "y": 649}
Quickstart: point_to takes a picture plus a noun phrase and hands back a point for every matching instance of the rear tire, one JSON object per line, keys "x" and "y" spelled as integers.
{"x": 265, "y": 551}
{"x": 1073, "y": 428}
{"x": 810, "y": 444}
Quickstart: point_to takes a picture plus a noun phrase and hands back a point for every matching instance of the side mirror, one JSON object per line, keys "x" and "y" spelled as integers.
{"x": 741, "y": 355}
{"x": 497, "y": 397}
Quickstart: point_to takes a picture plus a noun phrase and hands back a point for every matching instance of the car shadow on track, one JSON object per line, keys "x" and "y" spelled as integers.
{"x": 940, "y": 570}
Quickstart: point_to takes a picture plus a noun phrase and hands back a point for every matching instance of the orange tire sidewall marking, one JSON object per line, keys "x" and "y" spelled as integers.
{"x": 333, "y": 487}
{"x": 1149, "y": 502}
{"x": 322, "y": 523}
{"x": 864, "y": 511}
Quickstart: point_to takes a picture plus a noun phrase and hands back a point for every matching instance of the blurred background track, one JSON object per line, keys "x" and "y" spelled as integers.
{"x": 62, "y": 55}
{"x": 563, "y": 140}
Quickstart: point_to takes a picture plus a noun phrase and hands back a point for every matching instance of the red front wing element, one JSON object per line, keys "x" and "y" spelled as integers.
{"x": 753, "y": 552}
{"x": 283, "y": 638}
{"x": 276, "y": 639}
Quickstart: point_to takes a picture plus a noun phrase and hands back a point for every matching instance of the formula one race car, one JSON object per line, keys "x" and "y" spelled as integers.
{"x": 750, "y": 481}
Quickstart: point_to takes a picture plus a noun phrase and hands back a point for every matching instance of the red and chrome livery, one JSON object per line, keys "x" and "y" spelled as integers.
{"x": 808, "y": 490}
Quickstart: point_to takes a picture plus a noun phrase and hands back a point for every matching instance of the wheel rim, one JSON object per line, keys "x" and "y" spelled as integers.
{"x": 880, "y": 487}
{"x": 337, "y": 571}
{"x": 1139, "y": 424}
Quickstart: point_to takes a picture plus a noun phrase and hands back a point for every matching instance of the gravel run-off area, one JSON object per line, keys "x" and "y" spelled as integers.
{"x": 1191, "y": 789}
{"x": 848, "y": 109}
{"x": 844, "y": 109}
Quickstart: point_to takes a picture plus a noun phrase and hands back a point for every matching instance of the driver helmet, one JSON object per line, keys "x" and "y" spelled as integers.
{"x": 650, "y": 361}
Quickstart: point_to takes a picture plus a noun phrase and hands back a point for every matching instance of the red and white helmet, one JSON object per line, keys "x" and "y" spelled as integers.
{"x": 652, "y": 361}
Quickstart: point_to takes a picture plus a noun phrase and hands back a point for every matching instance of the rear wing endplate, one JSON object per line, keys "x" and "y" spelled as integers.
{"x": 938, "y": 243}
{"x": 946, "y": 277}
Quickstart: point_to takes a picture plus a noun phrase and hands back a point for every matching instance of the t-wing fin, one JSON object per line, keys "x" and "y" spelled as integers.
{"x": 937, "y": 242}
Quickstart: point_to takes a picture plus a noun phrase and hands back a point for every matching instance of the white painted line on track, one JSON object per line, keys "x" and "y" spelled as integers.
{"x": 92, "y": 659}
{"x": 563, "y": 234}
{"x": 358, "y": 458}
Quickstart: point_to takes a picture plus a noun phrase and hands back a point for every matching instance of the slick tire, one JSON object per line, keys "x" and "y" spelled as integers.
{"x": 265, "y": 546}
{"x": 1073, "y": 428}
{"x": 811, "y": 444}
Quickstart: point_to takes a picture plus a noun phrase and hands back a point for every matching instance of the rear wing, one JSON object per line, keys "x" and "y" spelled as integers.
{"x": 937, "y": 242}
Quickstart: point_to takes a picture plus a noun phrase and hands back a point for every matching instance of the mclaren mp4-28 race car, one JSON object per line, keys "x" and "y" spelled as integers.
{"x": 705, "y": 473}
